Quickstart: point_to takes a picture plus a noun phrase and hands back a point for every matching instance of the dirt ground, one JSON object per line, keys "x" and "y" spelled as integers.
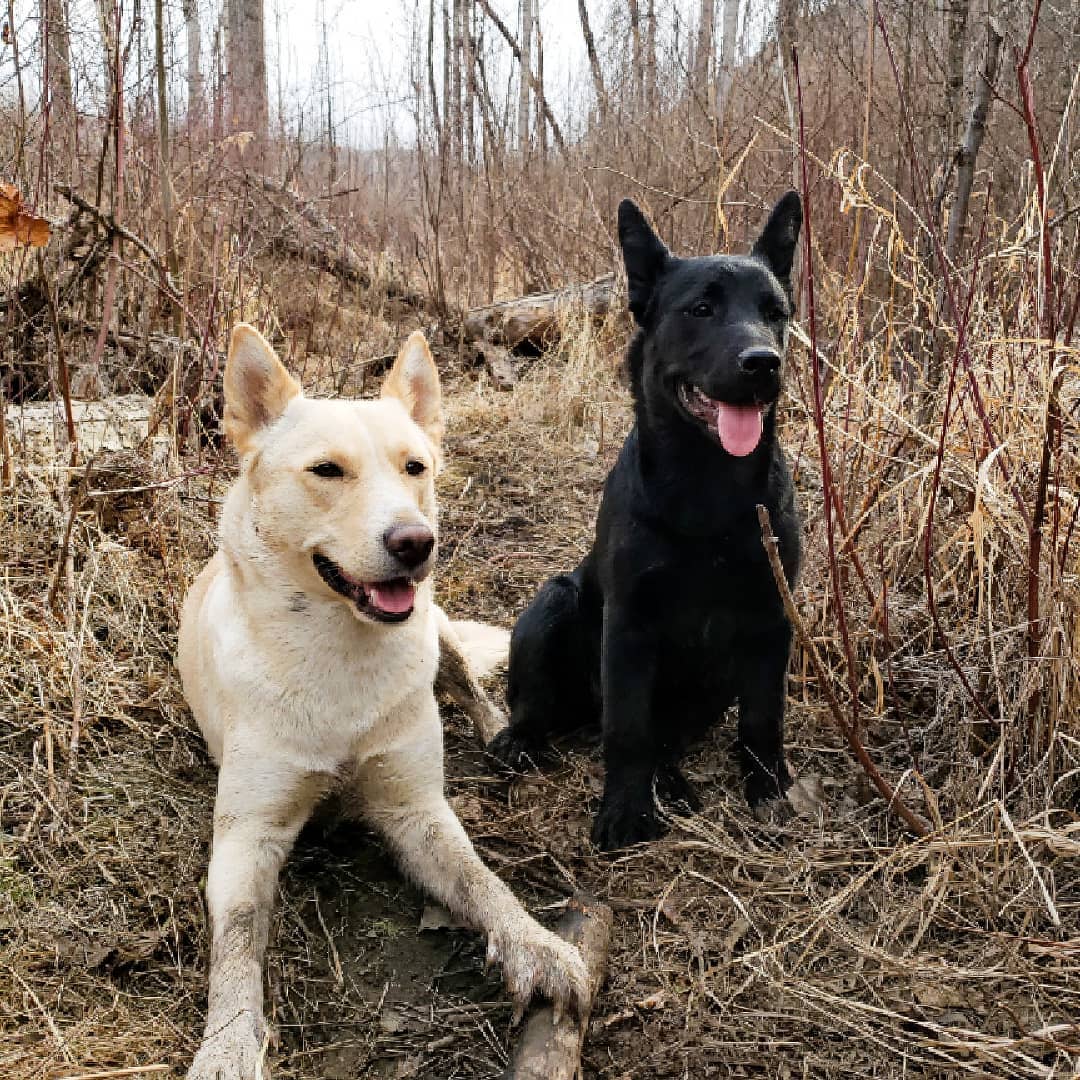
{"x": 828, "y": 947}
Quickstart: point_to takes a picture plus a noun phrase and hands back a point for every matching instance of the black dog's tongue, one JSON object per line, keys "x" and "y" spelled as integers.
{"x": 739, "y": 427}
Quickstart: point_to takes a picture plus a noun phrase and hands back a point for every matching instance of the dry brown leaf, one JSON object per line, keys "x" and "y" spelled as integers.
{"x": 18, "y": 228}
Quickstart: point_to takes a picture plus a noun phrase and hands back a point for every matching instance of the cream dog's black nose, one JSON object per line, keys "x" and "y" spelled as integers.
{"x": 409, "y": 544}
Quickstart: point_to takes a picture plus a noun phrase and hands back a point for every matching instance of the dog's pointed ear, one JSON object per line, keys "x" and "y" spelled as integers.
{"x": 257, "y": 386}
{"x": 776, "y": 244}
{"x": 414, "y": 381}
{"x": 644, "y": 254}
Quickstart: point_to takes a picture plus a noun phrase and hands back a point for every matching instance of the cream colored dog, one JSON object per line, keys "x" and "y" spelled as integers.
{"x": 308, "y": 651}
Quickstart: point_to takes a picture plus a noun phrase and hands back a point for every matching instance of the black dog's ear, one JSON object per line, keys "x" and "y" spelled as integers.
{"x": 644, "y": 254}
{"x": 776, "y": 244}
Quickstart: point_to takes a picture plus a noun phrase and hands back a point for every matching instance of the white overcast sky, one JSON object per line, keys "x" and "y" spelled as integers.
{"x": 369, "y": 47}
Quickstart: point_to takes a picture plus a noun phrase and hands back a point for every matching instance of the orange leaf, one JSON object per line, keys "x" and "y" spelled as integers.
{"x": 18, "y": 228}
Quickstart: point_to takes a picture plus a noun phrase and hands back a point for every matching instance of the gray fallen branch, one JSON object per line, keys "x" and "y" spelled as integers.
{"x": 536, "y": 319}
{"x": 112, "y": 226}
{"x": 550, "y": 1050}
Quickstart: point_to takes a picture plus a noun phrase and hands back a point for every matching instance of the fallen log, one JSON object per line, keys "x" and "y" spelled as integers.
{"x": 532, "y": 322}
{"x": 296, "y": 227}
{"x": 552, "y": 1051}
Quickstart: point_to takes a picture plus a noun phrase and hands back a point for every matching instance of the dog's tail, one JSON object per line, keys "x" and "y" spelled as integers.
{"x": 486, "y": 648}
{"x": 483, "y": 648}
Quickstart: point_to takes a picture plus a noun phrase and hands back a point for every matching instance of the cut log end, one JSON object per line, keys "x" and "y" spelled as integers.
{"x": 552, "y": 1051}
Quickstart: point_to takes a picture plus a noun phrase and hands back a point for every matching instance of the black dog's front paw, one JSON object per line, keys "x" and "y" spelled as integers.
{"x": 676, "y": 791}
{"x": 763, "y": 787}
{"x": 624, "y": 822}
{"x": 512, "y": 753}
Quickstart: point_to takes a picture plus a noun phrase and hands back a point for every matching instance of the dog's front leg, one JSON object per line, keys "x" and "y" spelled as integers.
{"x": 401, "y": 794}
{"x": 260, "y": 808}
{"x": 762, "y": 686}
{"x": 627, "y": 812}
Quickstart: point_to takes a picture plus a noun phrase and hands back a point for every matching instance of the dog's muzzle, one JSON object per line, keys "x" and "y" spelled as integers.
{"x": 391, "y": 600}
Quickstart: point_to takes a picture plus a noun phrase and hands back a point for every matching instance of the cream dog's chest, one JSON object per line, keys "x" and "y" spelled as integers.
{"x": 331, "y": 706}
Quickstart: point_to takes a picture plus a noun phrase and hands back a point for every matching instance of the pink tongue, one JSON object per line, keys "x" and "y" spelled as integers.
{"x": 393, "y": 597}
{"x": 739, "y": 428}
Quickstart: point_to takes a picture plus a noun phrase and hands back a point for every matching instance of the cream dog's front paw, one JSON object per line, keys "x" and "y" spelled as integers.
{"x": 236, "y": 1052}
{"x": 534, "y": 959}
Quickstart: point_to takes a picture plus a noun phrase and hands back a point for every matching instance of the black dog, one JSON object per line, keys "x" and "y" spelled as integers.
{"x": 674, "y": 613}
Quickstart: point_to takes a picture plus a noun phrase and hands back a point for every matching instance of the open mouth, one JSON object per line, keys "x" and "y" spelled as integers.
{"x": 386, "y": 601}
{"x": 737, "y": 427}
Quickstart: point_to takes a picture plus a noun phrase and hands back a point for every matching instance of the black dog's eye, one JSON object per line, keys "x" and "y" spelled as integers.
{"x": 774, "y": 311}
{"x": 414, "y": 467}
{"x": 701, "y": 310}
{"x": 328, "y": 470}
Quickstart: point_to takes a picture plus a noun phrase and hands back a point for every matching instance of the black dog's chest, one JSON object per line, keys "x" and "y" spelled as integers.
{"x": 712, "y": 606}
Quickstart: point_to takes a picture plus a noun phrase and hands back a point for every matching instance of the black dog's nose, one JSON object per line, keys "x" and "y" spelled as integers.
{"x": 409, "y": 544}
{"x": 759, "y": 361}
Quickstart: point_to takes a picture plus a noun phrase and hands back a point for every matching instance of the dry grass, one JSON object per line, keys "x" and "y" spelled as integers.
{"x": 836, "y": 947}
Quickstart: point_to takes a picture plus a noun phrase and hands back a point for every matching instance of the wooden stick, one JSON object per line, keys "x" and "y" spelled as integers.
{"x": 918, "y": 825}
{"x": 552, "y": 1051}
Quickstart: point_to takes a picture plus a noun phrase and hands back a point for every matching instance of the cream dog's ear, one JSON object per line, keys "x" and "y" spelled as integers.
{"x": 257, "y": 387}
{"x": 414, "y": 381}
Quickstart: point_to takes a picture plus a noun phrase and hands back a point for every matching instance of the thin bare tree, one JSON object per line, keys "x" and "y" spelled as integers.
{"x": 167, "y": 202}
{"x": 650, "y": 55}
{"x": 193, "y": 32}
{"x": 594, "y": 60}
{"x": 703, "y": 48}
{"x": 955, "y": 30}
{"x": 729, "y": 29}
{"x": 246, "y": 59}
{"x": 787, "y": 12}
{"x": 637, "y": 53}
{"x": 56, "y": 58}
{"x": 524, "y": 83}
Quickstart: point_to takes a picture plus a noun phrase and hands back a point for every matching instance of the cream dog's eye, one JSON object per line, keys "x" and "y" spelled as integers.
{"x": 328, "y": 470}
{"x": 414, "y": 467}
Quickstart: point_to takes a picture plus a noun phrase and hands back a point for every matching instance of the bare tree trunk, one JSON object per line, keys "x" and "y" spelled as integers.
{"x": 219, "y": 77}
{"x": 973, "y": 139}
{"x": 457, "y": 87}
{"x": 433, "y": 92}
{"x": 636, "y": 65}
{"x": 525, "y": 62}
{"x": 966, "y": 155}
{"x": 194, "y": 59}
{"x": 541, "y": 127}
{"x": 703, "y": 51}
{"x": 956, "y": 17}
{"x": 168, "y": 214}
{"x": 248, "y": 105}
{"x": 57, "y": 77}
{"x": 650, "y": 56}
{"x": 786, "y": 14}
{"x": 331, "y": 137}
{"x": 468, "y": 67}
{"x": 447, "y": 104}
{"x": 594, "y": 60}
{"x": 729, "y": 30}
